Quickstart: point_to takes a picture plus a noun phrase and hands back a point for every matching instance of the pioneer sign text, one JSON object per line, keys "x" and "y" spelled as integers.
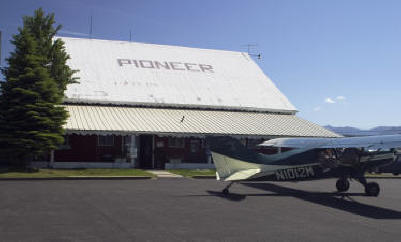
{"x": 166, "y": 65}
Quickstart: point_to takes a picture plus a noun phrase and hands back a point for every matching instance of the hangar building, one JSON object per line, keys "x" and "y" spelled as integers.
{"x": 150, "y": 106}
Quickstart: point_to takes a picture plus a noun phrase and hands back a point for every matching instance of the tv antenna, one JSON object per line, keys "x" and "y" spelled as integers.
{"x": 249, "y": 47}
{"x": 91, "y": 27}
{"x": 0, "y": 47}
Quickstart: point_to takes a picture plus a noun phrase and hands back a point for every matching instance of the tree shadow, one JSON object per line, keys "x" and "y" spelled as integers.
{"x": 340, "y": 201}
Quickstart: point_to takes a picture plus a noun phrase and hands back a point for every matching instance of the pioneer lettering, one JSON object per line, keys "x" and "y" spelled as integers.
{"x": 166, "y": 65}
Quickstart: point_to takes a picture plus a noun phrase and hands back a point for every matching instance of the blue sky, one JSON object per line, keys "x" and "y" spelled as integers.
{"x": 339, "y": 62}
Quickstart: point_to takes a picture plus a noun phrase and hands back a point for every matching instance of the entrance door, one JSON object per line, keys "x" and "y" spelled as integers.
{"x": 146, "y": 151}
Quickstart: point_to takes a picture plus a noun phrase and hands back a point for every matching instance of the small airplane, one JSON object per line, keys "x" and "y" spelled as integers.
{"x": 303, "y": 159}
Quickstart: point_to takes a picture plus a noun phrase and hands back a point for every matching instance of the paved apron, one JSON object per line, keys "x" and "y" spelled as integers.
{"x": 163, "y": 174}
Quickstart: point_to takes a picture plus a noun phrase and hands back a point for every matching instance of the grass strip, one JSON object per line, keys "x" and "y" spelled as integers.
{"x": 193, "y": 172}
{"x": 48, "y": 173}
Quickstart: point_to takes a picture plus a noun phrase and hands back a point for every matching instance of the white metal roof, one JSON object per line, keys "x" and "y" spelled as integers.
{"x": 86, "y": 119}
{"x": 122, "y": 72}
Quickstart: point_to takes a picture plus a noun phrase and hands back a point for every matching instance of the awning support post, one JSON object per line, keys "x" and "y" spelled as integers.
{"x": 51, "y": 162}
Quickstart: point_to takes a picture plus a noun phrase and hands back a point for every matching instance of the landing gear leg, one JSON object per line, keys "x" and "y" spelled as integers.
{"x": 371, "y": 188}
{"x": 342, "y": 185}
{"x": 225, "y": 190}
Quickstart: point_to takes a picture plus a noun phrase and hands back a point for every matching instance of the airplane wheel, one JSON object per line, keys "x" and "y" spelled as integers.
{"x": 342, "y": 185}
{"x": 372, "y": 189}
{"x": 225, "y": 191}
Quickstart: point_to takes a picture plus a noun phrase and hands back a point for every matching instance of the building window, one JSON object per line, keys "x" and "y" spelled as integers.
{"x": 175, "y": 142}
{"x": 105, "y": 140}
{"x": 195, "y": 145}
{"x": 66, "y": 145}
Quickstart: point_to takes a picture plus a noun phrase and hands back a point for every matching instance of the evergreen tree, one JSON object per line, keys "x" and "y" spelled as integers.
{"x": 43, "y": 30}
{"x": 31, "y": 117}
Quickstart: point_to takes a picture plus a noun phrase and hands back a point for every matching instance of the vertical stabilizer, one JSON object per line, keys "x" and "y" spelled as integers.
{"x": 229, "y": 169}
{"x": 232, "y": 160}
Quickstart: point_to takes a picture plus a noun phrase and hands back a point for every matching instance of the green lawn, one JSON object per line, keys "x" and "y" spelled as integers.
{"x": 43, "y": 173}
{"x": 194, "y": 172}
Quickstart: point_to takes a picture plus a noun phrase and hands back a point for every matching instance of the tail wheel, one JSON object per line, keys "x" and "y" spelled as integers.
{"x": 342, "y": 185}
{"x": 372, "y": 189}
{"x": 226, "y": 191}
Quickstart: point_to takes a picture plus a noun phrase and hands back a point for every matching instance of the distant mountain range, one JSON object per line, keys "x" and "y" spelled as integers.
{"x": 352, "y": 131}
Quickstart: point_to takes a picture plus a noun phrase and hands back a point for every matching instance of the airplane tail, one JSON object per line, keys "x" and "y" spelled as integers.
{"x": 231, "y": 167}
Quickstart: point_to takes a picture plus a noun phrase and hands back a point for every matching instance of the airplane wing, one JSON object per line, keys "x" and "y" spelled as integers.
{"x": 370, "y": 142}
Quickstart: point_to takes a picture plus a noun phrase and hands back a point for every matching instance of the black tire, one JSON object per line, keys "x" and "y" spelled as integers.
{"x": 372, "y": 189}
{"x": 396, "y": 173}
{"x": 342, "y": 185}
{"x": 226, "y": 191}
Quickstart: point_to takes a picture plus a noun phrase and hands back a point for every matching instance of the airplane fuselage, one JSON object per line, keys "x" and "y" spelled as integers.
{"x": 313, "y": 171}
{"x": 308, "y": 159}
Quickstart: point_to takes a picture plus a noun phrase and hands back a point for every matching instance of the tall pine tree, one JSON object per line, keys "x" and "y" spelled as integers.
{"x": 43, "y": 30}
{"x": 31, "y": 118}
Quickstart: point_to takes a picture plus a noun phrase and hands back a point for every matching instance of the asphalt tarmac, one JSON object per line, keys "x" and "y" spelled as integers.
{"x": 195, "y": 210}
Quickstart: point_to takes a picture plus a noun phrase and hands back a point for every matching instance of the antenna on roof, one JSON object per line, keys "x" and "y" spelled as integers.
{"x": 259, "y": 56}
{"x": 91, "y": 28}
{"x": 0, "y": 47}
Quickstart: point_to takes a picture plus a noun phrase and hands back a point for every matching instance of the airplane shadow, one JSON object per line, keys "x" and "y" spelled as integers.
{"x": 341, "y": 201}
{"x": 231, "y": 196}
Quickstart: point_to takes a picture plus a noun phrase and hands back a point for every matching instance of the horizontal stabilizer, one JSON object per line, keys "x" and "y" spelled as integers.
{"x": 243, "y": 175}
